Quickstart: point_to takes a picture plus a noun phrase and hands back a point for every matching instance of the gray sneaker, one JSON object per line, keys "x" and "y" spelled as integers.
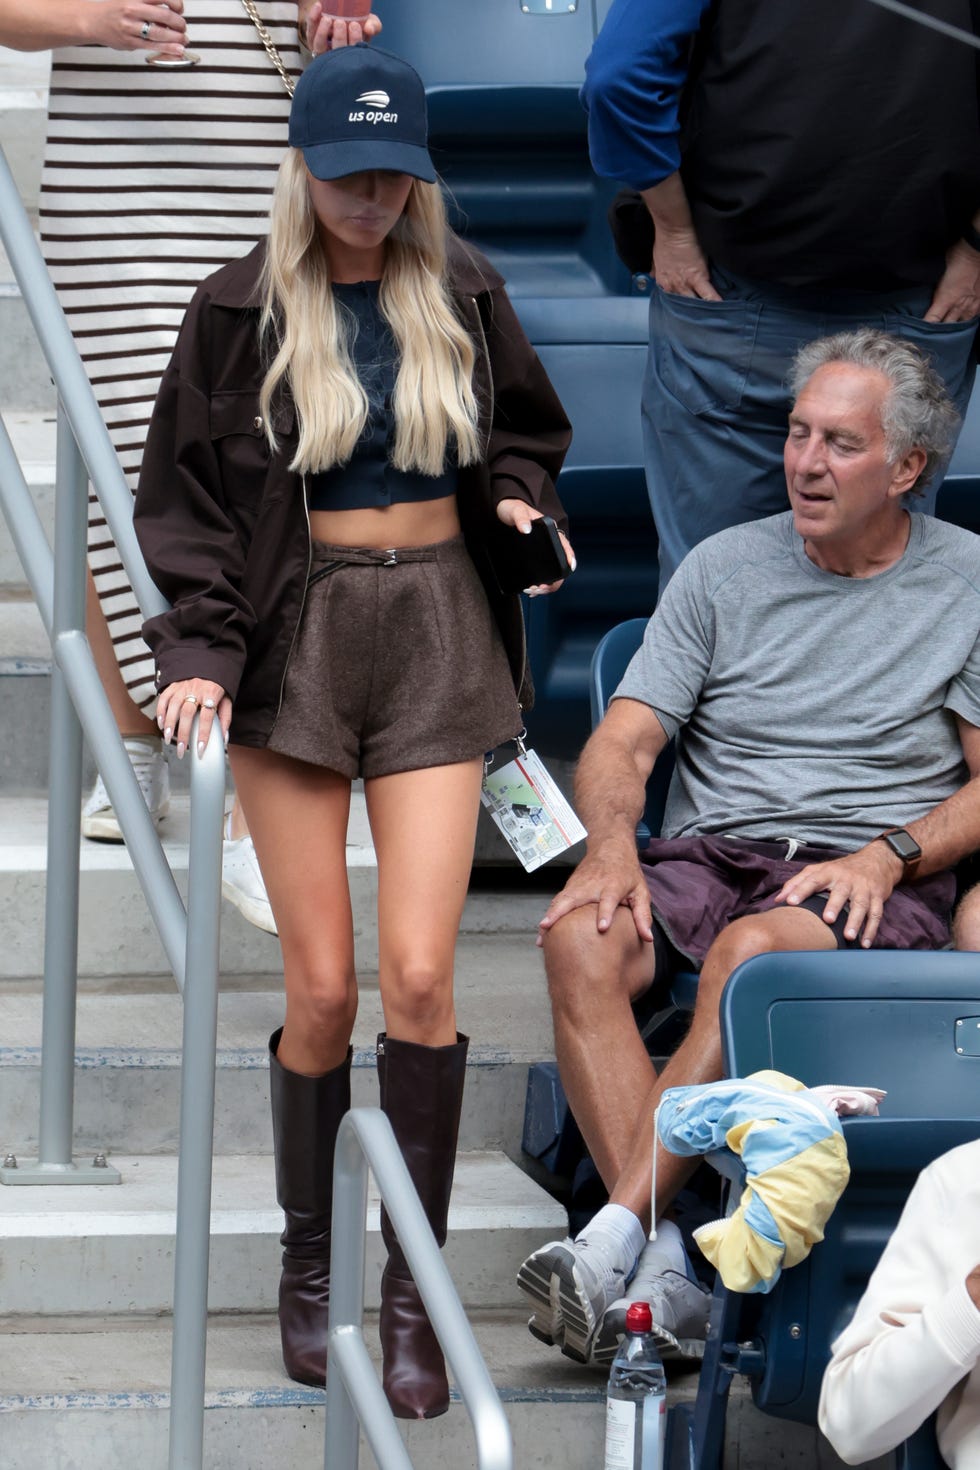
{"x": 570, "y": 1285}
{"x": 680, "y": 1311}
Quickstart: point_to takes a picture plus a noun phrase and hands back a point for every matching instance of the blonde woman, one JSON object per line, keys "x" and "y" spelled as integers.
{"x": 347, "y": 416}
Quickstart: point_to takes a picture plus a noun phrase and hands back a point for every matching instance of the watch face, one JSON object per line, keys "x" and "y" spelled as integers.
{"x": 905, "y": 846}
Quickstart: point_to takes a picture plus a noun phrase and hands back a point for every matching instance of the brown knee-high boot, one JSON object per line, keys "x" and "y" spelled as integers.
{"x": 306, "y": 1113}
{"x": 422, "y": 1094}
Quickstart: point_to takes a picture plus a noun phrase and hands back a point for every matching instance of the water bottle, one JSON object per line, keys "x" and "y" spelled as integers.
{"x": 636, "y": 1399}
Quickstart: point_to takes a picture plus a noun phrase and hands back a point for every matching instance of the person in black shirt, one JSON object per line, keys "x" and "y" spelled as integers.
{"x": 808, "y": 169}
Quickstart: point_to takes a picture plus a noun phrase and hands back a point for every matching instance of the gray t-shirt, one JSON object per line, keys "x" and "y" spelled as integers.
{"x": 806, "y": 704}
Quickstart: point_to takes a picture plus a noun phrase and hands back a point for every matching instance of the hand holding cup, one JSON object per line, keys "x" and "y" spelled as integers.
{"x": 326, "y": 25}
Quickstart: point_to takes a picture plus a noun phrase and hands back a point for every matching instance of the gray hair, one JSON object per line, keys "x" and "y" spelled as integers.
{"x": 918, "y": 412}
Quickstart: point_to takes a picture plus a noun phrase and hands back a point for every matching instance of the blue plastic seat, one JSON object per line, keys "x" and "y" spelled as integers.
{"x": 959, "y": 495}
{"x": 509, "y": 138}
{"x": 907, "y": 1021}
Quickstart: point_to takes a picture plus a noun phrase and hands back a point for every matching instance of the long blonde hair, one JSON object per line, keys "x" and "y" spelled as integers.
{"x": 434, "y": 404}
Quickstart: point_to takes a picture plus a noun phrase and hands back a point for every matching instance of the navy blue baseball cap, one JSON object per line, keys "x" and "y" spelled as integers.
{"x": 361, "y": 108}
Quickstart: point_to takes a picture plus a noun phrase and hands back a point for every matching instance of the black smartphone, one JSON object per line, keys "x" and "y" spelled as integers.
{"x": 532, "y": 560}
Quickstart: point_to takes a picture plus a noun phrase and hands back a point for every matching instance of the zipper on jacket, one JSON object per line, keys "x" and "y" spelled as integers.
{"x": 486, "y": 354}
{"x": 524, "y": 659}
{"x": 520, "y": 605}
{"x": 302, "y": 606}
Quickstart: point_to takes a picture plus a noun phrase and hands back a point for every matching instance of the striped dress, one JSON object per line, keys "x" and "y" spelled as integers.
{"x": 153, "y": 178}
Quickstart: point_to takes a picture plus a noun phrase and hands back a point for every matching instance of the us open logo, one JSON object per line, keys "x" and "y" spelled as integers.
{"x": 376, "y": 111}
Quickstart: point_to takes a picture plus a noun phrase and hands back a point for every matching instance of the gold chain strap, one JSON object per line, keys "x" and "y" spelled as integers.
{"x": 270, "y": 45}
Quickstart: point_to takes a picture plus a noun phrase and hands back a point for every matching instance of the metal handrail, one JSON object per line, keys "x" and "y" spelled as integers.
{"x": 190, "y": 938}
{"x": 353, "y": 1391}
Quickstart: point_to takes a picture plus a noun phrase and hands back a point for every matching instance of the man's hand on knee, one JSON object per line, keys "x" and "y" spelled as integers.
{"x": 609, "y": 877}
{"x": 864, "y": 880}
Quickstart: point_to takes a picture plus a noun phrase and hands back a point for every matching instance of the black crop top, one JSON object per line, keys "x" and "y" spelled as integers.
{"x": 369, "y": 479}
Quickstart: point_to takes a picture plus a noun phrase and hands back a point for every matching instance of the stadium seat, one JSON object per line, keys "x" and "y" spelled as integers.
{"x": 905, "y": 1021}
{"x": 509, "y": 138}
{"x": 959, "y": 495}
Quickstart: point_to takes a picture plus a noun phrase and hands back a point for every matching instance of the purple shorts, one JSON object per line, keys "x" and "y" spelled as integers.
{"x": 698, "y": 885}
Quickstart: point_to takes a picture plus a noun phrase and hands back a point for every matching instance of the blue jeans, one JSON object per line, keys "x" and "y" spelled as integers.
{"x": 715, "y": 401}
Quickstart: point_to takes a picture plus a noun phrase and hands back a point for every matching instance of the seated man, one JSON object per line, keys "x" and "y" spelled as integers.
{"x": 913, "y": 1345}
{"x": 821, "y": 672}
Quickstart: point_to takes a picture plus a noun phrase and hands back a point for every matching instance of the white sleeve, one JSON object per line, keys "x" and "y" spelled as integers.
{"x": 915, "y": 1334}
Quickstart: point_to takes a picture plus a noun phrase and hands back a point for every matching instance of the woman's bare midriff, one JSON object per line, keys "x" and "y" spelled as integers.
{"x": 410, "y": 523}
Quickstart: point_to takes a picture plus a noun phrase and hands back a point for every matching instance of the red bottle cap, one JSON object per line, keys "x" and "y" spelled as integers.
{"x": 639, "y": 1318}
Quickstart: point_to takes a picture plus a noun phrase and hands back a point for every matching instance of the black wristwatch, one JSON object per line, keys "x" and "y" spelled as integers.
{"x": 903, "y": 845}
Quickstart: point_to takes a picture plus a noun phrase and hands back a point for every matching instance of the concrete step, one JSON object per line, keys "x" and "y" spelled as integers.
{"x": 117, "y": 936}
{"x": 25, "y": 378}
{"x": 127, "y": 1078}
{"x": 23, "y": 117}
{"x": 33, "y": 438}
{"x": 94, "y": 1394}
{"x": 110, "y": 1249}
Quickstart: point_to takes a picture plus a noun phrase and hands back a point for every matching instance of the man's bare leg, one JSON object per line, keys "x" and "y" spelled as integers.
{"x": 604, "y": 1067}
{"x": 590, "y": 1006}
{"x": 698, "y": 1058}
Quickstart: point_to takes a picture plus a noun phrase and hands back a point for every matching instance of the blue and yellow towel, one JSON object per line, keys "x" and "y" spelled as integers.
{"x": 795, "y": 1161}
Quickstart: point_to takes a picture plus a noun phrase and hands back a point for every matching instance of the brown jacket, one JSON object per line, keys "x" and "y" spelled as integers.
{"x": 222, "y": 520}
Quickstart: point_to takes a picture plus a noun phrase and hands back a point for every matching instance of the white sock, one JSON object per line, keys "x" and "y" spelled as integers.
{"x": 666, "y": 1253}
{"x": 619, "y": 1232}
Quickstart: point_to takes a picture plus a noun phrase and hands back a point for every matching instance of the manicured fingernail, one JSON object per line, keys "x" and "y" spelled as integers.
{"x": 573, "y": 564}
{"x": 200, "y": 747}
{"x": 525, "y": 530}
{"x": 167, "y": 733}
{"x": 181, "y": 747}
{"x": 159, "y": 722}
{"x": 225, "y": 732}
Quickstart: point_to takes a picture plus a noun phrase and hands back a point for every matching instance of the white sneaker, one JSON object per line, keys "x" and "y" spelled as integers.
{"x": 99, "y": 821}
{"x": 680, "y": 1311}
{"x": 242, "y": 883}
{"x": 570, "y": 1284}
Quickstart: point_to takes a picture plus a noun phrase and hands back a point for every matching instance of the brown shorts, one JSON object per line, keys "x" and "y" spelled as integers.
{"x": 398, "y": 664}
{"x": 698, "y": 885}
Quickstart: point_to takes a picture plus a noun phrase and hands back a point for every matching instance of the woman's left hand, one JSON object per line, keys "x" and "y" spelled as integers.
{"x": 321, "y": 31}
{"x": 518, "y": 513}
{"x": 180, "y": 702}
